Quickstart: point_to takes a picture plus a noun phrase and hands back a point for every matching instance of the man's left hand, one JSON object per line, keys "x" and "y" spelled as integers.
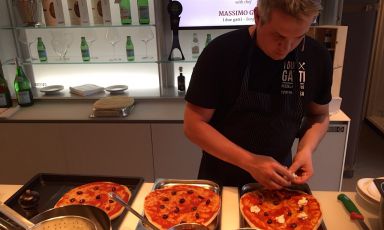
{"x": 302, "y": 167}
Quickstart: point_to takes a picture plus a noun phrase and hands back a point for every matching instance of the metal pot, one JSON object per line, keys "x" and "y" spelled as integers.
{"x": 94, "y": 217}
{"x": 380, "y": 186}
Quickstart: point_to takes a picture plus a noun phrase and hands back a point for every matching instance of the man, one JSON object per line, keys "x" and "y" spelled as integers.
{"x": 253, "y": 90}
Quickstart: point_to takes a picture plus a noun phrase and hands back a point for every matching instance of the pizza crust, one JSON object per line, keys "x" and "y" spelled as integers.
{"x": 250, "y": 223}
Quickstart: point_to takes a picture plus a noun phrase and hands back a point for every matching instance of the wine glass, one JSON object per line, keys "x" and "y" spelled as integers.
{"x": 90, "y": 37}
{"x": 23, "y": 39}
{"x": 113, "y": 37}
{"x": 61, "y": 42}
{"x": 146, "y": 35}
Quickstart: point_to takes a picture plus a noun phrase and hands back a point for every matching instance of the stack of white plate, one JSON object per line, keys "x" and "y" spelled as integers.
{"x": 368, "y": 191}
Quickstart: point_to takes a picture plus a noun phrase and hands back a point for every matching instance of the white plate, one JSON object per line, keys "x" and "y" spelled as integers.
{"x": 368, "y": 189}
{"x": 116, "y": 89}
{"x": 52, "y": 89}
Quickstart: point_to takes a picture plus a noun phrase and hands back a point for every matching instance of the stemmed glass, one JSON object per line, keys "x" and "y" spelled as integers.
{"x": 146, "y": 35}
{"x": 61, "y": 42}
{"x": 90, "y": 37}
{"x": 22, "y": 37}
{"x": 113, "y": 37}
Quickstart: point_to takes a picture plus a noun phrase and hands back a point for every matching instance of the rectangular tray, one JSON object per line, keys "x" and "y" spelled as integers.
{"x": 53, "y": 186}
{"x": 163, "y": 183}
{"x": 255, "y": 186}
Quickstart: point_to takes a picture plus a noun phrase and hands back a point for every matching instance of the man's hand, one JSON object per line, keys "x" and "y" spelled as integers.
{"x": 268, "y": 172}
{"x": 302, "y": 167}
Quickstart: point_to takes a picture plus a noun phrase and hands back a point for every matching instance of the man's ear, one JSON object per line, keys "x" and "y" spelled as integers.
{"x": 256, "y": 16}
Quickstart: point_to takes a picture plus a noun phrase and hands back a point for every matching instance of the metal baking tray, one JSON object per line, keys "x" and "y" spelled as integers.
{"x": 163, "y": 183}
{"x": 53, "y": 186}
{"x": 256, "y": 186}
{"x": 122, "y": 112}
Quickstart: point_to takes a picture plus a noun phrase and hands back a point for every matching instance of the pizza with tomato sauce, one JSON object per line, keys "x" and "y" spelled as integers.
{"x": 178, "y": 204}
{"x": 280, "y": 209}
{"x": 96, "y": 194}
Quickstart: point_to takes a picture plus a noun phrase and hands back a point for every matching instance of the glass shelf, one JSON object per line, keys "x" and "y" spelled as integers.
{"x": 104, "y": 60}
{"x": 75, "y": 26}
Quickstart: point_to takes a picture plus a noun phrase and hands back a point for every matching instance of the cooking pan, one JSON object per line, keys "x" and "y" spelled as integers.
{"x": 84, "y": 213}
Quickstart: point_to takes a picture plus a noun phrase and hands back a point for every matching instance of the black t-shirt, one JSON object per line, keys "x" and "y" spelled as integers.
{"x": 218, "y": 73}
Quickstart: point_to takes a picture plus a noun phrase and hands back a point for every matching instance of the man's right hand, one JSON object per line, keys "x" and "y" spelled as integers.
{"x": 268, "y": 172}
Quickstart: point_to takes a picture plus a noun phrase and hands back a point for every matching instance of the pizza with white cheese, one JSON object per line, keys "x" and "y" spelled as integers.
{"x": 280, "y": 209}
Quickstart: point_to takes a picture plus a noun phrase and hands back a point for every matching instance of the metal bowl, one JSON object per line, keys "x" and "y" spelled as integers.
{"x": 96, "y": 215}
{"x": 189, "y": 226}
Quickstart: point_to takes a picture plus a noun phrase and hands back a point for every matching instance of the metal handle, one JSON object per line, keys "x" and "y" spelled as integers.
{"x": 118, "y": 199}
{"x": 13, "y": 215}
{"x": 350, "y": 206}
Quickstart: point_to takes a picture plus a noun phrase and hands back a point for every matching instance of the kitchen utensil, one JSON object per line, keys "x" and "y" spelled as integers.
{"x": 98, "y": 216}
{"x": 118, "y": 199}
{"x": 355, "y": 214}
{"x": 65, "y": 222}
{"x": 380, "y": 186}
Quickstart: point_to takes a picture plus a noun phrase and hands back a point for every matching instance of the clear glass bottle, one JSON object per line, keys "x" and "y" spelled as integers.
{"x": 130, "y": 49}
{"x": 41, "y": 50}
{"x": 85, "y": 50}
{"x": 181, "y": 80}
{"x": 5, "y": 95}
{"x": 23, "y": 87}
{"x": 143, "y": 8}
{"x": 195, "y": 46}
{"x": 125, "y": 12}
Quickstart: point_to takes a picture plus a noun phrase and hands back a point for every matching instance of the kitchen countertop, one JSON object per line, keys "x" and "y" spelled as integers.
{"x": 145, "y": 110}
{"x": 334, "y": 214}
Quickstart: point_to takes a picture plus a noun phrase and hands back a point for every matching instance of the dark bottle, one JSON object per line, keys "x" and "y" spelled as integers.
{"x": 23, "y": 87}
{"x": 41, "y": 50}
{"x": 5, "y": 95}
{"x": 328, "y": 43}
{"x": 181, "y": 80}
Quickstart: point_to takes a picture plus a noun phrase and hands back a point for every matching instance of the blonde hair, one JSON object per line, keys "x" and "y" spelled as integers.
{"x": 294, "y": 8}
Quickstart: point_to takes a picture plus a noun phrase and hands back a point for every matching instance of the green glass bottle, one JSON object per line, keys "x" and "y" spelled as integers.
{"x": 5, "y": 95}
{"x": 41, "y": 50}
{"x": 208, "y": 40}
{"x": 130, "y": 49}
{"x": 143, "y": 8}
{"x": 125, "y": 12}
{"x": 23, "y": 87}
{"x": 85, "y": 50}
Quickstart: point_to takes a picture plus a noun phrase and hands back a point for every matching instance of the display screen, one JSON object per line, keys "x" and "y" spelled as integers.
{"x": 216, "y": 13}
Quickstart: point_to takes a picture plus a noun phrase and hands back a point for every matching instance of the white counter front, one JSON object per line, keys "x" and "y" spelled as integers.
{"x": 334, "y": 214}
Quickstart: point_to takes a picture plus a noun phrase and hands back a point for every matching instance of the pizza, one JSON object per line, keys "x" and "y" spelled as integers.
{"x": 280, "y": 209}
{"x": 96, "y": 194}
{"x": 178, "y": 204}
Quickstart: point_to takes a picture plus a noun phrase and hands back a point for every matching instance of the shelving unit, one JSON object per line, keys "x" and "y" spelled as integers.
{"x": 142, "y": 75}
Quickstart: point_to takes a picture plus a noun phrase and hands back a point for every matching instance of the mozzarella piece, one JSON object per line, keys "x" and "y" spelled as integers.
{"x": 303, "y": 201}
{"x": 280, "y": 219}
{"x": 255, "y": 209}
{"x": 302, "y": 215}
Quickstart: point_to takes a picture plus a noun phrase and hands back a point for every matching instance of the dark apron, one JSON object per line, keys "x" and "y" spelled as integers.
{"x": 261, "y": 123}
